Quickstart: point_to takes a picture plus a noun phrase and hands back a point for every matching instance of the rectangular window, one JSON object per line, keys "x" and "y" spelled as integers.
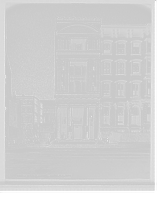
{"x": 93, "y": 44}
{"x": 135, "y": 89}
{"x": 78, "y": 70}
{"x": 71, "y": 87}
{"x": 136, "y": 47}
{"x": 77, "y": 87}
{"x": 120, "y": 89}
{"x": 78, "y": 44}
{"x": 29, "y": 119}
{"x": 148, "y": 65}
{"x": 23, "y": 109}
{"x": 121, "y": 67}
{"x": 29, "y": 109}
{"x": 121, "y": 47}
{"x": 23, "y": 127}
{"x": 106, "y": 68}
{"x": 23, "y": 102}
{"x": 29, "y": 102}
{"x": 106, "y": 115}
{"x": 148, "y": 114}
{"x": 106, "y": 87}
{"x": 62, "y": 88}
{"x": 107, "y": 47}
{"x": 46, "y": 119}
{"x": 120, "y": 115}
{"x": 148, "y": 87}
{"x": 135, "y": 67}
{"x": 23, "y": 119}
{"x": 28, "y": 127}
{"x": 148, "y": 46}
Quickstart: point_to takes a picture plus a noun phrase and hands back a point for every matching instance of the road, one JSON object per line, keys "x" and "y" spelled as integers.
{"x": 78, "y": 163}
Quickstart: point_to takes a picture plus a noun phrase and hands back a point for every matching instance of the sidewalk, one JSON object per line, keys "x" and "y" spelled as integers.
{"x": 119, "y": 146}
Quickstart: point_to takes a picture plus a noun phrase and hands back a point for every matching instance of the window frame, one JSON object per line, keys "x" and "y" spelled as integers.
{"x": 122, "y": 93}
{"x": 72, "y": 46}
{"x": 109, "y": 61}
{"x": 29, "y": 121}
{"x": 138, "y": 42}
{"x": 105, "y": 116}
{"x": 29, "y": 101}
{"x": 29, "y": 108}
{"x": 123, "y": 115}
{"x": 117, "y": 66}
{"x": 121, "y": 42}
{"x": 109, "y": 84}
{"x": 23, "y": 108}
{"x": 132, "y": 66}
{"x": 23, "y": 119}
{"x": 148, "y": 40}
{"x": 107, "y": 52}
{"x": 138, "y": 83}
{"x": 148, "y": 61}
{"x": 23, "y": 100}
{"x": 136, "y": 116}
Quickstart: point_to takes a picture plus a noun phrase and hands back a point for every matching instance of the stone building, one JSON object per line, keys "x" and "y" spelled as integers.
{"x": 13, "y": 133}
{"x": 125, "y": 78}
{"x": 77, "y": 82}
{"x": 49, "y": 112}
{"x": 31, "y": 114}
{"x": 102, "y": 76}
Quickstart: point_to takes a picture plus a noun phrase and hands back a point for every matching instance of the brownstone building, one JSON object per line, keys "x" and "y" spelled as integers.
{"x": 102, "y": 79}
{"x": 125, "y": 78}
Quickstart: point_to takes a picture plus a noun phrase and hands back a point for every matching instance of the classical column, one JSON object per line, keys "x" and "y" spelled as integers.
{"x": 57, "y": 122}
{"x": 69, "y": 123}
{"x": 98, "y": 122}
{"x": 86, "y": 124}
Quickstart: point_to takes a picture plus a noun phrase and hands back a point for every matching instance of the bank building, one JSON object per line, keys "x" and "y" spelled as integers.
{"x": 102, "y": 85}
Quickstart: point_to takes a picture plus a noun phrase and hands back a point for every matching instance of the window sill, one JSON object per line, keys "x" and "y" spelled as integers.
{"x": 106, "y": 74}
{"x": 121, "y": 54}
{"x": 106, "y": 96}
{"x": 135, "y": 54}
{"x": 120, "y": 97}
{"x": 135, "y": 74}
{"x": 106, "y": 53}
{"x": 121, "y": 74}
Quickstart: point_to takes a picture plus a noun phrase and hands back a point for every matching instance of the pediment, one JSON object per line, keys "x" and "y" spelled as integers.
{"x": 78, "y": 28}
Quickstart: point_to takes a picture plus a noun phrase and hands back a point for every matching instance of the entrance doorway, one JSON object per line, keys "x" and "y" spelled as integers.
{"x": 77, "y": 121}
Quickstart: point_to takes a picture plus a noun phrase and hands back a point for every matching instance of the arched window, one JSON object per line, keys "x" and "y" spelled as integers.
{"x": 135, "y": 115}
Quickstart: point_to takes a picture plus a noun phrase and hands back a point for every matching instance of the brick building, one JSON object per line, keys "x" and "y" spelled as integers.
{"x": 31, "y": 114}
{"x": 125, "y": 78}
{"x": 102, "y": 79}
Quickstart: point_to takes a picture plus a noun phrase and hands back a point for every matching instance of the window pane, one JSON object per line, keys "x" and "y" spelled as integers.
{"x": 77, "y": 87}
{"x": 71, "y": 87}
{"x": 77, "y": 70}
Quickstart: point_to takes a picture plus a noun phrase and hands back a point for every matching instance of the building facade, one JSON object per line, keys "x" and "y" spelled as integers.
{"x": 125, "y": 78}
{"x": 49, "y": 113}
{"x": 31, "y": 114}
{"x": 102, "y": 76}
{"x": 77, "y": 82}
{"x": 13, "y": 133}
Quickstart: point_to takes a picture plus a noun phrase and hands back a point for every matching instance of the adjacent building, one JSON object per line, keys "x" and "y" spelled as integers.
{"x": 31, "y": 114}
{"x": 49, "y": 113}
{"x": 13, "y": 133}
{"x": 102, "y": 79}
{"x": 125, "y": 78}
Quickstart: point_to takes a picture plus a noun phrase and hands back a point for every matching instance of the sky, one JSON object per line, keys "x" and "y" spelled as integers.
{"x": 29, "y": 32}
